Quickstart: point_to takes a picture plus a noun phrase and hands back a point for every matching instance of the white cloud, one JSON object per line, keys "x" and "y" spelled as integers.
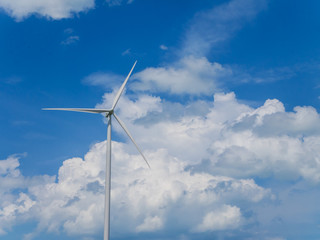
{"x": 211, "y": 27}
{"x": 136, "y": 109}
{"x": 58, "y": 9}
{"x": 126, "y": 52}
{"x": 9, "y": 212}
{"x": 143, "y": 200}
{"x": 9, "y": 165}
{"x": 198, "y": 76}
{"x": 189, "y": 75}
{"x": 14, "y": 203}
{"x": 227, "y": 217}
{"x": 10, "y": 176}
{"x": 69, "y": 31}
{"x": 150, "y": 224}
{"x": 71, "y": 37}
{"x": 269, "y": 142}
{"x": 70, "y": 40}
{"x": 231, "y": 138}
{"x": 193, "y": 73}
{"x": 113, "y": 3}
{"x": 202, "y": 166}
{"x": 163, "y": 47}
{"x": 103, "y": 79}
{"x": 184, "y": 129}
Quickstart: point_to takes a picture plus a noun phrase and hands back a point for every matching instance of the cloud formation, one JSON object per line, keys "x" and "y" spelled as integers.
{"x": 211, "y": 27}
{"x": 226, "y": 217}
{"x": 70, "y": 40}
{"x": 103, "y": 79}
{"x": 142, "y": 200}
{"x": 203, "y": 165}
{"x": 113, "y": 3}
{"x": 229, "y": 136}
{"x": 198, "y": 76}
{"x": 58, "y": 9}
{"x": 193, "y": 73}
{"x": 189, "y": 75}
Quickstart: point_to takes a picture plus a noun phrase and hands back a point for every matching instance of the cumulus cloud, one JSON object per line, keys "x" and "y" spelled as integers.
{"x": 180, "y": 129}
{"x": 150, "y": 224}
{"x": 15, "y": 203}
{"x": 59, "y": 9}
{"x": 269, "y": 142}
{"x": 211, "y": 27}
{"x": 142, "y": 200}
{"x": 198, "y": 76}
{"x": 189, "y": 75}
{"x": 203, "y": 166}
{"x": 226, "y": 217}
{"x": 9, "y": 165}
{"x": 263, "y": 142}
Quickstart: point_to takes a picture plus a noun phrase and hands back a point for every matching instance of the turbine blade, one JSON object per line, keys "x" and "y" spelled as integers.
{"x": 89, "y": 110}
{"x": 116, "y": 99}
{"x": 128, "y": 133}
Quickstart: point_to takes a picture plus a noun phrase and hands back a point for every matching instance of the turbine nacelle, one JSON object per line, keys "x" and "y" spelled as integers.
{"x": 109, "y": 113}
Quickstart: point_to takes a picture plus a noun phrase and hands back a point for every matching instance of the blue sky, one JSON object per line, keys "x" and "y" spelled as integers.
{"x": 223, "y": 101}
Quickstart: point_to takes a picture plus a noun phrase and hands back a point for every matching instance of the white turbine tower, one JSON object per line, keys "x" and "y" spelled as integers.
{"x": 108, "y": 114}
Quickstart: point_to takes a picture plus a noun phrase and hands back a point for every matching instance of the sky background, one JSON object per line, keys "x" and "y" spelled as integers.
{"x": 224, "y": 102}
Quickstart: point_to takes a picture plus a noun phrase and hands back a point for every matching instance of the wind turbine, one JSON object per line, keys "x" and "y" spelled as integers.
{"x": 108, "y": 114}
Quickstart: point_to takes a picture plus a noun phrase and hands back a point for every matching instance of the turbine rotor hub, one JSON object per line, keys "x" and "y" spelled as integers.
{"x": 109, "y": 113}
